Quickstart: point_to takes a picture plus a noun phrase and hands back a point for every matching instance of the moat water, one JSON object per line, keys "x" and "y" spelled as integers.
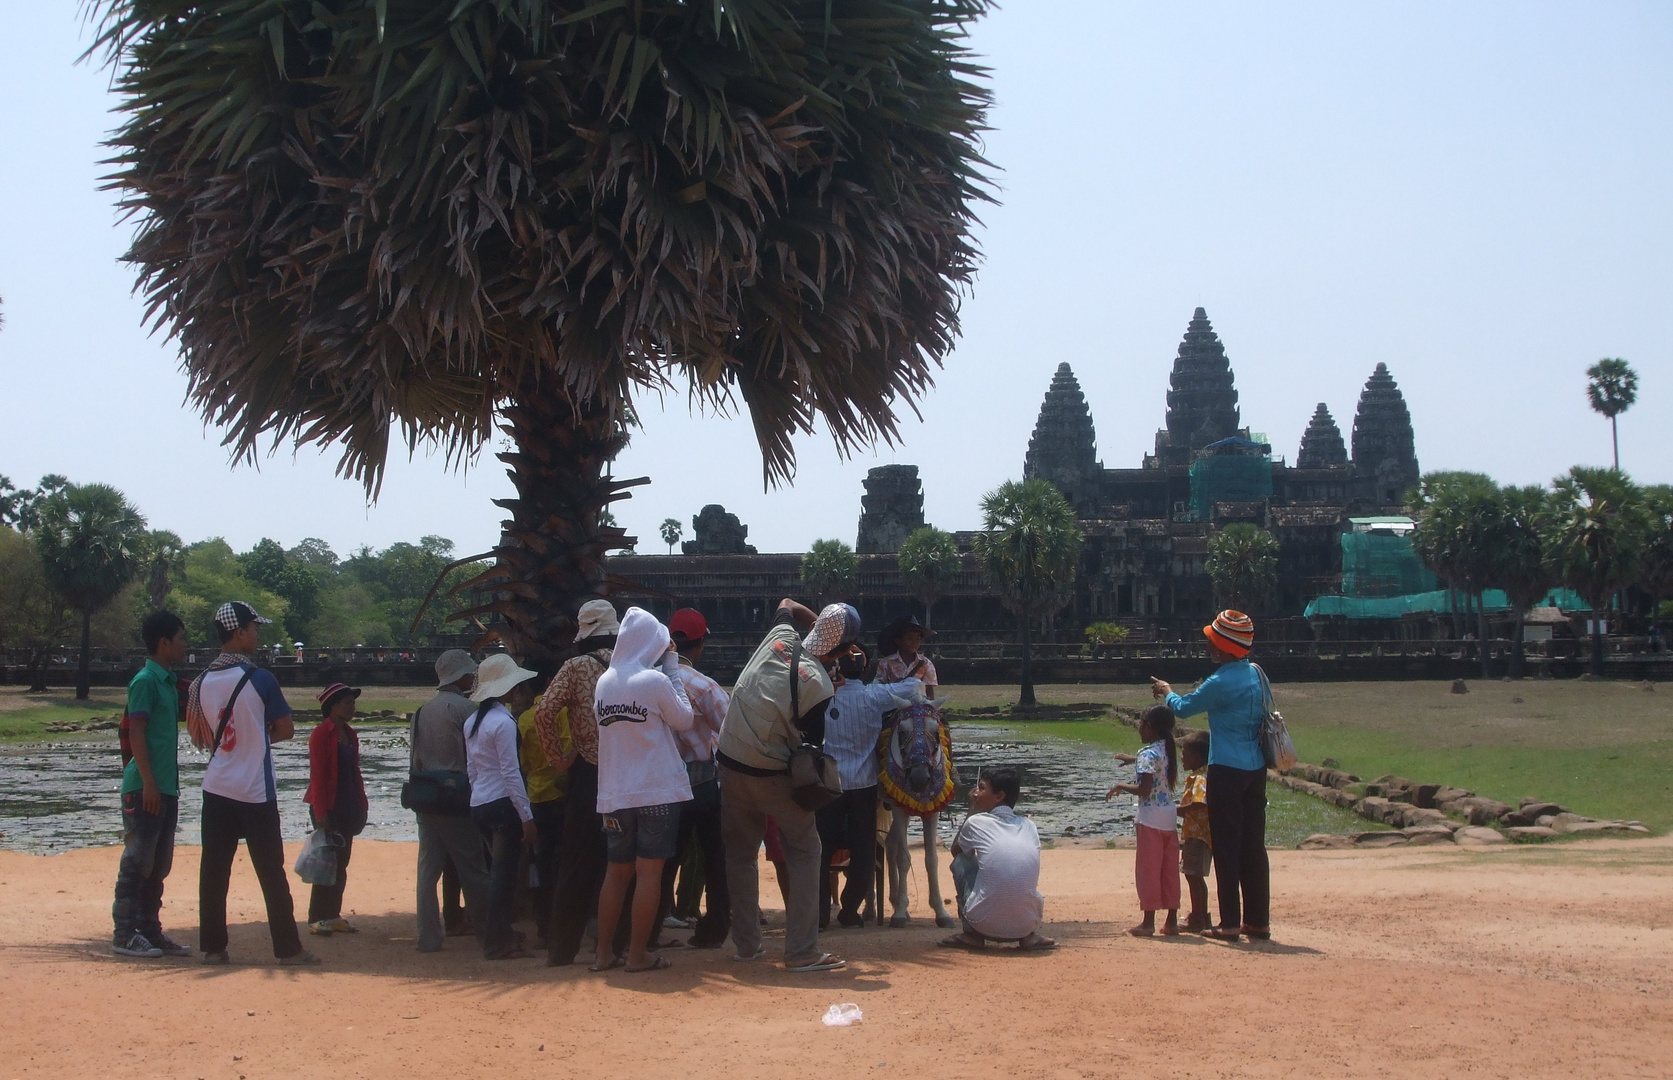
{"x": 63, "y": 795}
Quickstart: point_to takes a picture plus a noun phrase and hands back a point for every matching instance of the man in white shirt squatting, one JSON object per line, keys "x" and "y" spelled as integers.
{"x": 996, "y": 868}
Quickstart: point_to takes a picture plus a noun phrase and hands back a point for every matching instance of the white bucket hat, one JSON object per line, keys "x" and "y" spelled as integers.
{"x": 496, "y": 675}
{"x": 453, "y": 665}
{"x": 596, "y": 618}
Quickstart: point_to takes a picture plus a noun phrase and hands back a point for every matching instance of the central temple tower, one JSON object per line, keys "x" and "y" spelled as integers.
{"x": 1202, "y": 401}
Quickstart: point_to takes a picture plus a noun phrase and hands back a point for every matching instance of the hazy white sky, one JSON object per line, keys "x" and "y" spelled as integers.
{"x": 1479, "y": 195}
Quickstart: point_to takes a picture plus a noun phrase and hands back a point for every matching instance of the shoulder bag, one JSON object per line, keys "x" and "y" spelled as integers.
{"x": 1276, "y": 746}
{"x": 814, "y": 778}
{"x": 444, "y": 792}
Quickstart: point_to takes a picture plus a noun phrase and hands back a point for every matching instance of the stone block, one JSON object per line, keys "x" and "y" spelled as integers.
{"x": 1563, "y": 822}
{"x": 1424, "y": 795}
{"x": 1530, "y": 812}
{"x": 1477, "y": 810}
{"x": 1530, "y": 833}
{"x": 1418, "y": 816}
{"x": 1477, "y": 836}
{"x": 1377, "y": 808}
{"x": 1601, "y": 828}
{"x": 1326, "y": 841}
{"x": 1380, "y": 839}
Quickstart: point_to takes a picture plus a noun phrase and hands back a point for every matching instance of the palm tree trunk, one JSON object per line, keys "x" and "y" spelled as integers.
{"x": 84, "y": 677}
{"x": 1025, "y": 702}
{"x": 1615, "y": 442}
{"x": 1518, "y": 655}
{"x": 550, "y": 558}
{"x": 1481, "y": 632}
{"x": 1597, "y": 639}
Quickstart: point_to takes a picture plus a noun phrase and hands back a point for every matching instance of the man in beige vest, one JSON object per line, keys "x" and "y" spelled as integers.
{"x": 756, "y": 741}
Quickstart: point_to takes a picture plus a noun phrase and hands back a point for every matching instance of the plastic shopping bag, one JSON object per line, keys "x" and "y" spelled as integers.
{"x": 317, "y": 865}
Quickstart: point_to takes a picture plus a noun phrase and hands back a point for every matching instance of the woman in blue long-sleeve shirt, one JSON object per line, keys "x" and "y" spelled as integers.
{"x": 1233, "y": 698}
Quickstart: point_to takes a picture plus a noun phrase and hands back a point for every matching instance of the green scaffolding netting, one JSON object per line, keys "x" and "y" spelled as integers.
{"x": 1378, "y": 565}
{"x": 1229, "y": 477}
{"x": 1437, "y": 601}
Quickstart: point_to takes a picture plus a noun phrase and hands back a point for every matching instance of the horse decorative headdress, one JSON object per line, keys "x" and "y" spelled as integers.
{"x": 915, "y": 758}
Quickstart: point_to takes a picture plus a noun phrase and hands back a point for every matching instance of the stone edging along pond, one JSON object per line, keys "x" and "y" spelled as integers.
{"x": 1437, "y": 814}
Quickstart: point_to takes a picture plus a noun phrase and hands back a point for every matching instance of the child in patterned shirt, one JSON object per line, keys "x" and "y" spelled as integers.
{"x": 1196, "y": 846}
{"x": 1156, "y": 869}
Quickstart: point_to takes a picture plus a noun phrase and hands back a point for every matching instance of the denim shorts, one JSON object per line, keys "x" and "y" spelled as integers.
{"x": 642, "y": 832}
{"x": 1195, "y": 858}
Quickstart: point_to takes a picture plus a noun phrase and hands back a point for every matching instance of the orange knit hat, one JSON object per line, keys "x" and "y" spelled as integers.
{"x": 1231, "y": 632}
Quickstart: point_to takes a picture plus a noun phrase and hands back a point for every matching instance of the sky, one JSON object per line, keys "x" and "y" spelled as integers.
{"x": 1478, "y": 195}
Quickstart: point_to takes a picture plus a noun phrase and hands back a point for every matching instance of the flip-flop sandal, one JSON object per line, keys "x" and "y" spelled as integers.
{"x": 659, "y": 963}
{"x": 1223, "y": 933}
{"x": 959, "y": 941}
{"x": 1043, "y": 945}
{"x": 742, "y": 959}
{"x": 1257, "y": 933}
{"x": 826, "y": 962}
{"x": 1165, "y": 932}
{"x": 615, "y": 962}
{"x": 1141, "y": 931}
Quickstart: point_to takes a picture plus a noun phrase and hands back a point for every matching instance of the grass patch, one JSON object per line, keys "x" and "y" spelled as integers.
{"x": 24, "y": 717}
{"x": 1604, "y": 749}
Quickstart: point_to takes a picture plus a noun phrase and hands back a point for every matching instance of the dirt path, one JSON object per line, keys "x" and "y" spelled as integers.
{"x": 1418, "y": 963}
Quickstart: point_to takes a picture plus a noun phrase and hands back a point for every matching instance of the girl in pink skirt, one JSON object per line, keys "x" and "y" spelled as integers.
{"x": 1156, "y": 870}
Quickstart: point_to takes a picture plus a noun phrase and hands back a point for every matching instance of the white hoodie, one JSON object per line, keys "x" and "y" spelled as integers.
{"x": 640, "y": 703}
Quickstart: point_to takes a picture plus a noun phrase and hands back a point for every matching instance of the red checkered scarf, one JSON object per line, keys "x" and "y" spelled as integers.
{"x": 198, "y": 726}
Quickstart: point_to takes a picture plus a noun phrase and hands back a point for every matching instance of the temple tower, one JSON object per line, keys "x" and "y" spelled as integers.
{"x": 1064, "y": 447}
{"x": 890, "y": 510}
{"x": 1202, "y": 401}
{"x": 1321, "y": 445}
{"x": 718, "y": 533}
{"x": 1384, "y": 458}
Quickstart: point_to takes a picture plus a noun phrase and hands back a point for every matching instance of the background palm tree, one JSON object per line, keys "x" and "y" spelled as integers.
{"x": 165, "y": 561}
{"x": 1442, "y": 506}
{"x": 92, "y": 543}
{"x": 422, "y": 222}
{"x": 829, "y": 569}
{"x": 1655, "y": 564}
{"x": 929, "y": 560}
{"x": 1522, "y": 570}
{"x": 1612, "y": 388}
{"x": 1243, "y": 563}
{"x": 1028, "y": 547}
{"x": 1594, "y": 535}
{"x": 671, "y": 531}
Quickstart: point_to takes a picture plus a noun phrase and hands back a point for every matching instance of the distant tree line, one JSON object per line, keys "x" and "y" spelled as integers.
{"x": 79, "y": 564}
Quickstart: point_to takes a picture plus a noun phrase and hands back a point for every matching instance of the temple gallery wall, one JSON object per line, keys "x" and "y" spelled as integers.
{"x": 1147, "y": 528}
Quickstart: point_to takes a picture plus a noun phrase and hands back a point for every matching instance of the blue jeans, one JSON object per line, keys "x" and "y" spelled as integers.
{"x": 964, "y": 879}
{"x": 147, "y": 857}
{"x": 503, "y": 830}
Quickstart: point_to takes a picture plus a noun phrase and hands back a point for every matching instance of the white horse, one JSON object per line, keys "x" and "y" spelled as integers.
{"x": 916, "y": 774}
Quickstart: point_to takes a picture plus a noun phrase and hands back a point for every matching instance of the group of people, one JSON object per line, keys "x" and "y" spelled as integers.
{"x": 627, "y": 759}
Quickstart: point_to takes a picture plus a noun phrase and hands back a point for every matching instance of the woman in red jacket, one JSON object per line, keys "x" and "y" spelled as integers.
{"x": 337, "y": 800}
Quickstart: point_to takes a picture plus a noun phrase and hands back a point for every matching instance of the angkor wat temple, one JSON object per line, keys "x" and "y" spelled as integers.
{"x": 1147, "y": 528}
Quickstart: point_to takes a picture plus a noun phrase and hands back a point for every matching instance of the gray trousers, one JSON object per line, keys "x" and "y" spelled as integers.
{"x": 441, "y": 838}
{"x": 745, "y": 804}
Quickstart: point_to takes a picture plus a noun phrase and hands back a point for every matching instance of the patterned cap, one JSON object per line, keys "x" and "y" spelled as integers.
{"x": 1232, "y": 632}
{"x": 328, "y": 697}
{"x": 836, "y": 626}
{"x": 236, "y": 614}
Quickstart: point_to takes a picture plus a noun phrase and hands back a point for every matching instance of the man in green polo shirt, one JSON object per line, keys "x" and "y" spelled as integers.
{"x": 150, "y": 794}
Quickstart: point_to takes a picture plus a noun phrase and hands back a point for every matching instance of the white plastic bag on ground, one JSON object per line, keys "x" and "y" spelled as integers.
{"x": 844, "y": 1015}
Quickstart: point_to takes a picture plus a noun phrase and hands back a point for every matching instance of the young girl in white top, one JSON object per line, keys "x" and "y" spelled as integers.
{"x": 1156, "y": 870}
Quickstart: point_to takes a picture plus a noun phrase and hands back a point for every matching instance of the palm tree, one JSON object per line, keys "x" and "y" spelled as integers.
{"x": 1521, "y": 566}
{"x": 166, "y": 560}
{"x": 367, "y": 222}
{"x": 671, "y": 531}
{"x": 1443, "y": 505}
{"x": 1612, "y": 389}
{"x": 92, "y": 544}
{"x": 929, "y": 560}
{"x": 1243, "y": 562}
{"x": 829, "y": 569}
{"x": 1593, "y": 538}
{"x": 1655, "y": 565}
{"x": 1028, "y": 547}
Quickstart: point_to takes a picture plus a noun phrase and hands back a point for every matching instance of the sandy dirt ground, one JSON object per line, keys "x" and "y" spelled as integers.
{"x": 1418, "y": 963}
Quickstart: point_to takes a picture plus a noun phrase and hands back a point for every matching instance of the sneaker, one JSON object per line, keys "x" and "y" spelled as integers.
{"x": 170, "y": 946}
{"x": 673, "y": 922}
{"x": 340, "y": 925}
{"x": 323, "y": 928}
{"x": 137, "y": 945}
{"x": 216, "y": 959}
{"x": 299, "y": 960}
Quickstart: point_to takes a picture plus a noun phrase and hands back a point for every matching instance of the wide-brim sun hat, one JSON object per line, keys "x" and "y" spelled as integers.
{"x": 328, "y": 697}
{"x": 1231, "y": 632}
{"x": 497, "y": 675}
{"x": 453, "y": 665}
{"x": 597, "y": 618}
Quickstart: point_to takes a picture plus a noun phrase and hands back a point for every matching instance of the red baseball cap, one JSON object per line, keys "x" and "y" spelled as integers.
{"x": 689, "y": 624}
